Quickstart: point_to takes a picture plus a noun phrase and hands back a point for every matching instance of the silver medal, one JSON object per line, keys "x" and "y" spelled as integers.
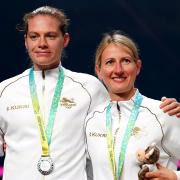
{"x": 45, "y": 165}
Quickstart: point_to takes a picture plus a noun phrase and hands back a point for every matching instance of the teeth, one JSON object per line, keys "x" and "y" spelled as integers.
{"x": 119, "y": 78}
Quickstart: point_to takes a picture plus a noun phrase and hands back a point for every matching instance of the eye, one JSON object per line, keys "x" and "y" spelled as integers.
{"x": 126, "y": 61}
{"x": 33, "y": 37}
{"x": 109, "y": 62}
{"x": 51, "y": 36}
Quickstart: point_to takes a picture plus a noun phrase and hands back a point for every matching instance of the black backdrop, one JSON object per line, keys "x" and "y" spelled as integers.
{"x": 154, "y": 25}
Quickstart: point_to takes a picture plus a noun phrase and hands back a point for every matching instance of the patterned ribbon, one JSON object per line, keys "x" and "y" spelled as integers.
{"x": 45, "y": 136}
{"x": 117, "y": 170}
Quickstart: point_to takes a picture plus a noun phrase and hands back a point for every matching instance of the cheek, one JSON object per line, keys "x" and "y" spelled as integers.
{"x": 106, "y": 78}
{"x": 132, "y": 72}
{"x": 31, "y": 47}
{"x": 105, "y": 74}
{"x": 57, "y": 47}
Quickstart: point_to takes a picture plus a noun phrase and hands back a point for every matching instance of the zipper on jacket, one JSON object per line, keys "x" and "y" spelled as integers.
{"x": 43, "y": 105}
{"x": 43, "y": 98}
{"x": 119, "y": 119}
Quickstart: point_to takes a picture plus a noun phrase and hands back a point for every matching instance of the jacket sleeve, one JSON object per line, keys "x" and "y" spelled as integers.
{"x": 97, "y": 92}
{"x": 171, "y": 128}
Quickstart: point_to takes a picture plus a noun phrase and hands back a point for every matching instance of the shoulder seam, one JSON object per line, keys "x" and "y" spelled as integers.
{"x": 11, "y": 83}
{"x": 163, "y": 147}
{"x": 83, "y": 88}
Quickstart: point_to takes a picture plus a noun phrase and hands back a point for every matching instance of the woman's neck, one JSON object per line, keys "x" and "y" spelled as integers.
{"x": 125, "y": 96}
{"x": 45, "y": 67}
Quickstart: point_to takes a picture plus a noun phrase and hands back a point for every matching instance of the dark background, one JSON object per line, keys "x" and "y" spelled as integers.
{"x": 154, "y": 25}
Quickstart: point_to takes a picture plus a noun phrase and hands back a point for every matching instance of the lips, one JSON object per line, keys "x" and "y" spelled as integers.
{"x": 119, "y": 79}
{"x": 42, "y": 53}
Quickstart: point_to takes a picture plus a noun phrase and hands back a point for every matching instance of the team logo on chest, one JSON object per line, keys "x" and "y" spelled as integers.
{"x": 67, "y": 102}
{"x": 139, "y": 132}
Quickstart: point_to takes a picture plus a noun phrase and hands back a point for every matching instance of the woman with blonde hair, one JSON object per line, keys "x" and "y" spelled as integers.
{"x": 116, "y": 130}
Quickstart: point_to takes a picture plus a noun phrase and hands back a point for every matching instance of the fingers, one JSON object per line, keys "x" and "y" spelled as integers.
{"x": 175, "y": 111}
{"x": 161, "y": 173}
{"x": 170, "y": 106}
{"x": 163, "y": 98}
{"x": 166, "y": 101}
{"x": 154, "y": 174}
{"x": 172, "y": 109}
{"x": 178, "y": 115}
{"x": 159, "y": 166}
{"x": 150, "y": 175}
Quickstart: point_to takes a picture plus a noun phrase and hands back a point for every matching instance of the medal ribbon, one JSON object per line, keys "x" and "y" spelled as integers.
{"x": 45, "y": 136}
{"x": 111, "y": 154}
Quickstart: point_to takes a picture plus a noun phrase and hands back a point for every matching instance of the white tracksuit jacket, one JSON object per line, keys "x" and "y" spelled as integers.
{"x": 152, "y": 126}
{"x": 81, "y": 93}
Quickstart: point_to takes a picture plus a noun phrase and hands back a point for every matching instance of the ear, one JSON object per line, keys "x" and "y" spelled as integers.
{"x": 66, "y": 40}
{"x": 149, "y": 154}
{"x": 138, "y": 64}
{"x": 151, "y": 151}
{"x": 98, "y": 72}
{"x": 25, "y": 41}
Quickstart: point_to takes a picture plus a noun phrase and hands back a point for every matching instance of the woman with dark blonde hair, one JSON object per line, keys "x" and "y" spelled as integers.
{"x": 116, "y": 130}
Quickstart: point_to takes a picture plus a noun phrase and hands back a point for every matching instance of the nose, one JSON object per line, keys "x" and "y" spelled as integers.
{"x": 43, "y": 43}
{"x": 118, "y": 68}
